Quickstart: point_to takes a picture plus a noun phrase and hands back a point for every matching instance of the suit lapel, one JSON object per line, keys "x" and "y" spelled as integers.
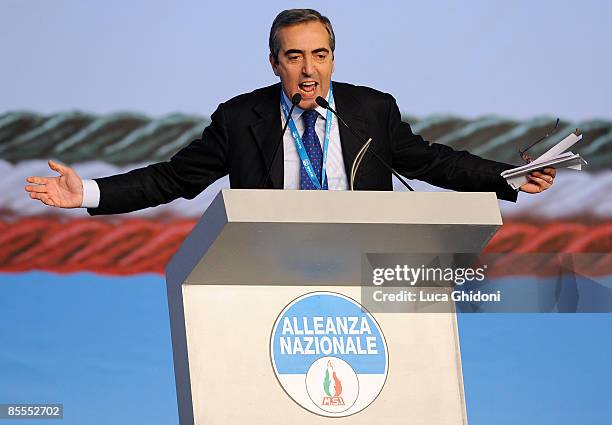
{"x": 349, "y": 109}
{"x": 266, "y": 130}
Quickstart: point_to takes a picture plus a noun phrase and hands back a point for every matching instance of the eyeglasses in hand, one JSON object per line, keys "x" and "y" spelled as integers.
{"x": 523, "y": 152}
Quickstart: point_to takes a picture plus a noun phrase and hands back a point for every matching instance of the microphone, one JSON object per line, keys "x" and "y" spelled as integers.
{"x": 366, "y": 144}
{"x": 297, "y": 98}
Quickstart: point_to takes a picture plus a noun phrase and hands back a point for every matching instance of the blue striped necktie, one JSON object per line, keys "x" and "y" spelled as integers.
{"x": 313, "y": 148}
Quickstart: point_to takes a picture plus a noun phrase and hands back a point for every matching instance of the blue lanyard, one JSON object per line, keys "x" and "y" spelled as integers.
{"x": 300, "y": 146}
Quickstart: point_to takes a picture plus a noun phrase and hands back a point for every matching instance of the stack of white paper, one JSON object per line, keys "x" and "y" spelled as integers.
{"x": 555, "y": 157}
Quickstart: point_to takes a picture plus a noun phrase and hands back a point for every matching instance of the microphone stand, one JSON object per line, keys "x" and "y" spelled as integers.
{"x": 297, "y": 98}
{"x": 324, "y": 104}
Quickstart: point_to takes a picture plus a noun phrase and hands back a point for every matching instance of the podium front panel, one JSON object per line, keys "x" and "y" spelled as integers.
{"x": 233, "y": 382}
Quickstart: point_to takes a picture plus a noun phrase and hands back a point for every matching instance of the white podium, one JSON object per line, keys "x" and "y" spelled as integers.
{"x": 255, "y": 252}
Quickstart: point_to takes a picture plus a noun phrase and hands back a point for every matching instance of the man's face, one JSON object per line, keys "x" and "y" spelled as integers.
{"x": 305, "y": 62}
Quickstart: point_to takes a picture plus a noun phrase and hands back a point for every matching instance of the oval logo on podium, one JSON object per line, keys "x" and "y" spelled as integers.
{"x": 329, "y": 354}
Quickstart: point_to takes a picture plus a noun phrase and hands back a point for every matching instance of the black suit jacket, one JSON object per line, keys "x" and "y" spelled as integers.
{"x": 243, "y": 134}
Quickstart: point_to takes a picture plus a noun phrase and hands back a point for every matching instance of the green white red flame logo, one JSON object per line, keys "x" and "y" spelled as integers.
{"x": 327, "y": 381}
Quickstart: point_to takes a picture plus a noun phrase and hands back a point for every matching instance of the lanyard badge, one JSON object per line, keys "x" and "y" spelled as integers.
{"x": 305, "y": 160}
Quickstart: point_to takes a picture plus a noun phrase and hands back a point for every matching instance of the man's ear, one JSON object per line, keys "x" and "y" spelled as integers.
{"x": 274, "y": 64}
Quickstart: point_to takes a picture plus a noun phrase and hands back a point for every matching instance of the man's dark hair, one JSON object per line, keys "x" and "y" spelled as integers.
{"x": 293, "y": 17}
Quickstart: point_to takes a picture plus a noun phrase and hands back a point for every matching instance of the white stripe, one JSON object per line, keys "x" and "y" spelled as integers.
{"x": 574, "y": 194}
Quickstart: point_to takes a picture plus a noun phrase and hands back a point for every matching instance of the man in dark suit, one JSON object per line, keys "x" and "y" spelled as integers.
{"x": 245, "y": 131}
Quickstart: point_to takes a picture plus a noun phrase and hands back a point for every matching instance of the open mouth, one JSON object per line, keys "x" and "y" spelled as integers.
{"x": 308, "y": 87}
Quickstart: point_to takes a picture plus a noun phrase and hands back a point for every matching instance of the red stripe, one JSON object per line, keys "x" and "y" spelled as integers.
{"x": 132, "y": 246}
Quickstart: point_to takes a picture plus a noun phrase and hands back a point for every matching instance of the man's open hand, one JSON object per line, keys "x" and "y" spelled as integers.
{"x": 539, "y": 181}
{"x": 65, "y": 191}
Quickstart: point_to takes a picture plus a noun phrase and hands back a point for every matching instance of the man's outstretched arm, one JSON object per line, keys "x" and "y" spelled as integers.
{"x": 442, "y": 166}
{"x": 185, "y": 175}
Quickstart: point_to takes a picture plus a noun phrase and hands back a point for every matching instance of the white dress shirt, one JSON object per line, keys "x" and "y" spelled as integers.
{"x": 334, "y": 169}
